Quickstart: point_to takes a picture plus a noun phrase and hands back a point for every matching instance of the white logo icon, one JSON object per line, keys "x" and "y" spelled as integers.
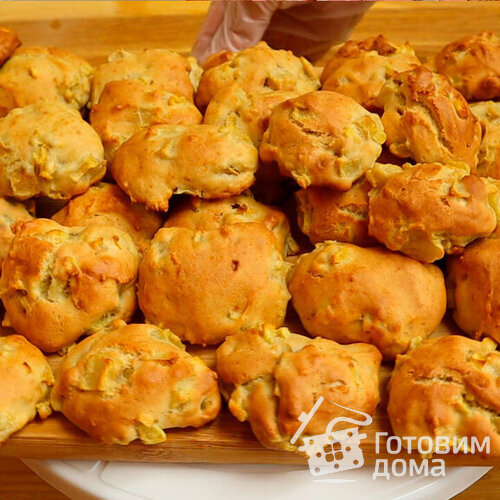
{"x": 333, "y": 451}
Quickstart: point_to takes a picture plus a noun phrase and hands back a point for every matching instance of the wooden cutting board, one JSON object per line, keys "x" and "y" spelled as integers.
{"x": 93, "y": 30}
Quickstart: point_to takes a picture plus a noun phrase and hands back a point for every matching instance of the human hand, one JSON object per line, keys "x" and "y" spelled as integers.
{"x": 306, "y": 27}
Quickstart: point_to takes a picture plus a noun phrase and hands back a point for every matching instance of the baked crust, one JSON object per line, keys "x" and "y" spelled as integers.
{"x": 197, "y": 214}
{"x": 428, "y": 210}
{"x": 206, "y": 285}
{"x": 472, "y": 64}
{"x": 132, "y": 382}
{"x": 44, "y": 74}
{"x": 258, "y": 69}
{"x": 59, "y": 282}
{"x": 26, "y": 382}
{"x": 11, "y": 212}
{"x": 473, "y": 281}
{"x": 488, "y": 114}
{"x": 160, "y": 69}
{"x": 48, "y": 149}
{"x": 8, "y": 43}
{"x": 360, "y": 67}
{"x": 217, "y": 59}
{"x": 232, "y": 106}
{"x": 325, "y": 214}
{"x": 127, "y": 106}
{"x": 270, "y": 376}
{"x": 323, "y": 139}
{"x": 426, "y": 119}
{"x": 201, "y": 160}
{"x": 447, "y": 386}
{"x": 351, "y": 294}
{"x": 107, "y": 205}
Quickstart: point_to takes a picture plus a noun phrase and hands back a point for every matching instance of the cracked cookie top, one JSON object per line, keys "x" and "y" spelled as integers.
{"x": 133, "y": 382}
{"x": 450, "y": 387}
{"x": 270, "y": 376}
{"x": 323, "y": 139}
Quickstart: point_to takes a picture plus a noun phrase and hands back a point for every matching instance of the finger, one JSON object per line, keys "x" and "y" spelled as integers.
{"x": 242, "y": 26}
{"x": 215, "y": 16}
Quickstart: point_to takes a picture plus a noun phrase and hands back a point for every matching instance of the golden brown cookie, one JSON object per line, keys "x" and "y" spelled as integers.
{"x": 258, "y": 69}
{"x": 428, "y": 209}
{"x": 428, "y": 120}
{"x": 448, "y": 387}
{"x": 48, "y": 149}
{"x": 493, "y": 186}
{"x": 218, "y": 58}
{"x": 232, "y": 106}
{"x": 11, "y": 212}
{"x": 202, "y": 160}
{"x": 160, "y": 69}
{"x": 132, "y": 383}
{"x": 26, "y": 382}
{"x": 271, "y": 376}
{"x": 206, "y": 285}
{"x": 108, "y": 205}
{"x": 352, "y": 294}
{"x": 127, "y": 106}
{"x": 197, "y": 214}
{"x": 325, "y": 214}
{"x": 360, "y": 67}
{"x": 473, "y": 281}
{"x": 488, "y": 114}
{"x": 472, "y": 64}
{"x": 44, "y": 74}
{"x": 59, "y": 282}
{"x": 8, "y": 43}
{"x": 323, "y": 139}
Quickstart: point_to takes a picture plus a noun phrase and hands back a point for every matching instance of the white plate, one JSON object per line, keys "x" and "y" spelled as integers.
{"x": 133, "y": 481}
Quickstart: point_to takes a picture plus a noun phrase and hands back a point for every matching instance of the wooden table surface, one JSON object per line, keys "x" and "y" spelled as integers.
{"x": 94, "y": 29}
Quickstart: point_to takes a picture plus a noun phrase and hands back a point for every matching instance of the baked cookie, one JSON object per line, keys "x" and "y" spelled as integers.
{"x": 206, "y": 285}
{"x": 271, "y": 376}
{"x": 426, "y": 119}
{"x": 48, "y": 149}
{"x": 448, "y": 387}
{"x": 108, "y": 205}
{"x": 234, "y": 107}
{"x": 8, "y": 43}
{"x": 473, "y": 281}
{"x": 258, "y": 69}
{"x": 11, "y": 212}
{"x": 472, "y": 64}
{"x": 160, "y": 69}
{"x": 325, "y": 214}
{"x": 132, "y": 383}
{"x": 201, "y": 160}
{"x": 198, "y": 214}
{"x": 323, "y": 139}
{"x": 359, "y": 68}
{"x": 59, "y": 282}
{"x": 26, "y": 383}
{"x": 488, "y": 114}
{"x": 352, "y": 294}
{"x": 218, "y": 58}
{"x": 127, "y": 106}
{"x": 428, "y": 209}
{"x": 44, "y": 74}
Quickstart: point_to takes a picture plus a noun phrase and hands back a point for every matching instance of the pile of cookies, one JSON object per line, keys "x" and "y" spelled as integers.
{"x": 218, "y": 182}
